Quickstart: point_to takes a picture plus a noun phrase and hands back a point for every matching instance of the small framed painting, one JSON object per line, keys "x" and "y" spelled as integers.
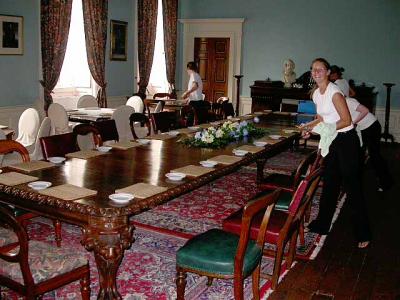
{"x": 11, "y": 35}
{"x": 118, "y": 38}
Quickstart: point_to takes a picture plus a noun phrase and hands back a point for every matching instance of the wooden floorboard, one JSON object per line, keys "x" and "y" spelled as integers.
{"x": 341, "y": 271}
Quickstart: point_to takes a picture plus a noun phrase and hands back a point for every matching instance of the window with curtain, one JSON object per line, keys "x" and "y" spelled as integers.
{"x": 75, "y": 79}
{"x": 158, "y": 82}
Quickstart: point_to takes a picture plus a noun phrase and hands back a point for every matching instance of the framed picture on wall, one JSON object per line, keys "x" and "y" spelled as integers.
{"x": 119, "y": 37}
{"x": 11, "y": 35}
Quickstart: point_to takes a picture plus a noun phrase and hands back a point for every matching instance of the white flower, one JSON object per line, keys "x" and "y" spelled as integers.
{"x": 211, "y": 129}
{"x": 226, "y": 124}
{"x": 219, "y": 133}
{"x": 243, "y": 124}
{"x": 198, "y": 135}
{"x": 256, "y": 119}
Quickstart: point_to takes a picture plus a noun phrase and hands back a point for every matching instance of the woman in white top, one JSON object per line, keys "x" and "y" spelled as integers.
{"x": 342, "y": 164}
{"x": 336, "y": 77}
{"x": 371, "y": 130}
{"x": 195, "y": 85}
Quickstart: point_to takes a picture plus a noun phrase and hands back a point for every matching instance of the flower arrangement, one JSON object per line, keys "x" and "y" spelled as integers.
{"x": 221, "y": 136}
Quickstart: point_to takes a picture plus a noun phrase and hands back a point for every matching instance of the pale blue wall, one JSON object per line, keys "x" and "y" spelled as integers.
{"x": 363, "y": 36}
{"x": 19, "y": 75}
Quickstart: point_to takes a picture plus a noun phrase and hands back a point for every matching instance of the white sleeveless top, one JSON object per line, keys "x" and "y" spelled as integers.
{"x": 365, "y": 122}
{"x": 197, "y": 94}
{"x": 325, "y": 107}
{"x": 343, "y": 86}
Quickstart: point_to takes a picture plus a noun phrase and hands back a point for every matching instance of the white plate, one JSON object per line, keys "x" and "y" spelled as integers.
{"x": 193, "y": 127}
{"x": 56, "y": 159}
{"x": 260, "y": 143}
{"x": 121, "y": 197}
{"x": 208, "y": 163}
{"x": 143, "y": 141}
{"x": 240, "y": 152}
{"x": 173, "y": 133}
{"x": 175, "y": 176}
{"x": 39, "y": 185}
{"x": 104, "y": 148}
{"x": 275, "y": 136}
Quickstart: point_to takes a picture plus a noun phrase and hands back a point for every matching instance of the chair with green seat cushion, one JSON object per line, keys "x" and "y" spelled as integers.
{"x": 219, "y": 254}
{"x": 283, "y": 226}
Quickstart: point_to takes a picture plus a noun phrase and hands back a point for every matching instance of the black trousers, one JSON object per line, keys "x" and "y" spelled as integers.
{"x": 371, "y": 137}
{"x": 342, "y": 168}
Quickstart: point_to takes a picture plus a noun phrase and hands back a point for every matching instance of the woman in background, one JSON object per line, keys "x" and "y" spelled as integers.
{"x": 336, "y": 77}
{"x": 342, "y": 163}
{"x": 195, "y": 85}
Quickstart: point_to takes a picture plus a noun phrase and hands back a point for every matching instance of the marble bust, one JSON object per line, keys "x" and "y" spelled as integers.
{"x": 289, "y": 76}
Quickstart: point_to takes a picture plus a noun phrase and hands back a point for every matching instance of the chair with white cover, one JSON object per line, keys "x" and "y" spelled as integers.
{"x": 28, "y": 127}
{"x": 87, "y": 101}
{"x": 59, "y": 119}
{"x": 44, "y": 130}
{"x": 137, "y": 103}
{"x": 121, "y": 116}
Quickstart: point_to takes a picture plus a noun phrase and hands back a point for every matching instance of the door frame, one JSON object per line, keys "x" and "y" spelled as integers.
{"x": 214, "y": 28}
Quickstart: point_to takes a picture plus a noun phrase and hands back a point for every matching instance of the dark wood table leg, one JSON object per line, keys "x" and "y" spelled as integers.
{"x": 108, "y": 238}
{"x": 260, "y": 169}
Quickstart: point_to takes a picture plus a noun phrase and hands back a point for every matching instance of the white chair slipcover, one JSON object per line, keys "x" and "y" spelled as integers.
{"x": 159, "y": 107}
{"x": 59, "y": 119}
{"x": 28, "y": 127}
{"x": 44, "y": 130}
{"x": 121, "y": 116}
{"x": 87, "y": 101}
{"x": 137, "y": 103}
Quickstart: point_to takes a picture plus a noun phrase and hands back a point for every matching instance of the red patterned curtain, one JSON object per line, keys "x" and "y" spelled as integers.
{"x": 147, "y": 26}
{"x": 170, "y": 12}
{"x": 55, "y": 17}
{"x": 95, "y": 13}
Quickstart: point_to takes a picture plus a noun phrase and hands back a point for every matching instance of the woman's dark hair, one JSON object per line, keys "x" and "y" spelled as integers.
{"x": 191, "y": 65}
{"x": 323, "y": 61}
{"x": 336, "y": 69}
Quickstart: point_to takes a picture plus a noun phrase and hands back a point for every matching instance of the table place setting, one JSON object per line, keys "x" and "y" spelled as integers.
{"x": 143, "y": 141}
{"x": 142, "y": 190}
{"x": 31, "y": 166}
{"x": 15, "y": 178}
{"x": 239, "y": 152}
{"x": 249, "y": 148}
{"x": 192, "y": 170}
{"x": 104, "y": 149}
{"x": 56, "y": 159}
{"x": 260, "y": 143}
{"x": 68, "y": 192}
{"x": 121, "y": 198}
{"x": 175, "y": 176}
{"x": 208, "y": 163}
{"x": 124, "y": 145}
{"x": 269, "y": 140}
{"x": 39, "y": 185}
{"x": 84, "y": 154}
{"x": 225, "y": 159}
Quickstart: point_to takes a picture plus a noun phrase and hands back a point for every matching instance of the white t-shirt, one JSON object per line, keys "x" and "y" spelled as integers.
{"x": 197, "y": 94}
{"x": 343, "y": 86}
{"x": 325, "y": 107}
{"x": 365, "y": 122}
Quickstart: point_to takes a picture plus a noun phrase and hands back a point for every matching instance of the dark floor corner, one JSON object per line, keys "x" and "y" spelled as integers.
{"x": 341, "y": 271}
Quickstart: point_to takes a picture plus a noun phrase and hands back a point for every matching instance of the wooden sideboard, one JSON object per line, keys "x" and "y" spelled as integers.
{"x": 269, "y": 94}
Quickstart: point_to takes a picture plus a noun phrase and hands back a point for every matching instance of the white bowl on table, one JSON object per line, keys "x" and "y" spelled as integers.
{"x": 121, "y": 197}
{"x": 208, "y": 163}
{"x": 104, "y": 148}
{"x": 56, "y": 159}
{"x": 39, "y": 185}
{"x": 239, "y": 152}
{"x": 175, "y": 176}
{"x": 275, "y": 136}
{"x": 260, "y": 143}
{"x": 173, "y": 133}
{"x": 143, "y": 141}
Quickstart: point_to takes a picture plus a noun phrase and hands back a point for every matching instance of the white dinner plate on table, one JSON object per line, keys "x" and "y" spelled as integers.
{"x": 260, "y": 143}
{"x": 275, "y": 136}
{"x": 208, "y": 163}
{"x": 104, "y": 148}
{"x": 39, "y": 185}
{"x": 56, "y": 159}
{"x": 175, "y": 176}
{"x": 121, "y": 197}
{"x": 238, "y": 152}
{"x": 173, "y": 133}
{"x": 143, "y": 141}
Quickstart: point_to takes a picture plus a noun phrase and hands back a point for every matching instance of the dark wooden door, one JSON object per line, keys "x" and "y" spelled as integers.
{"x": 212, "y": 57}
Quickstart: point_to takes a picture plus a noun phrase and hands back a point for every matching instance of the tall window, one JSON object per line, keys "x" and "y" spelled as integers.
{"x": 75, "y": 79}
{"x": 158, "y": 82}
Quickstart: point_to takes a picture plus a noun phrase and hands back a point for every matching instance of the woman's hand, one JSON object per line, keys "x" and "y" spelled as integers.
{"x": 305, "y": 131}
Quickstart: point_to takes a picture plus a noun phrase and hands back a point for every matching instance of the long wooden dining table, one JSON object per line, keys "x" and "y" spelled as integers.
{"x": 105, "y": 225}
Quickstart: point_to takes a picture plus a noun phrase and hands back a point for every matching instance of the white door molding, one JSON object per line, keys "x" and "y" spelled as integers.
{"x": 214, "y": 28}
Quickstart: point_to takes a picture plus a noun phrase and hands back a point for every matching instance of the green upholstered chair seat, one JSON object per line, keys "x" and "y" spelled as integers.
{"x": 284, "y": 200}
{"x": 214, "y": 252}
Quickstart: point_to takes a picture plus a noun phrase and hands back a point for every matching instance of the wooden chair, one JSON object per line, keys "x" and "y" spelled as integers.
{"x": 201, "y": 111}
{"x": 8, "y": 146}
{"x": 227, "y": 109}
{"x": 87, "y": 101}
{"x": 58, "y": 145}
{"x": 163, "y": 96}
{"x": 220, "y": 254}
{"x": 87, "y": 136}
{"x": 163, "y": 121}
{"x": 283, "y": 226}
{"x": 34, "y": 268}
{"x": 107, "y": 129}
{"x": 152, "y": 107}
{"x": 142, "y": 123}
